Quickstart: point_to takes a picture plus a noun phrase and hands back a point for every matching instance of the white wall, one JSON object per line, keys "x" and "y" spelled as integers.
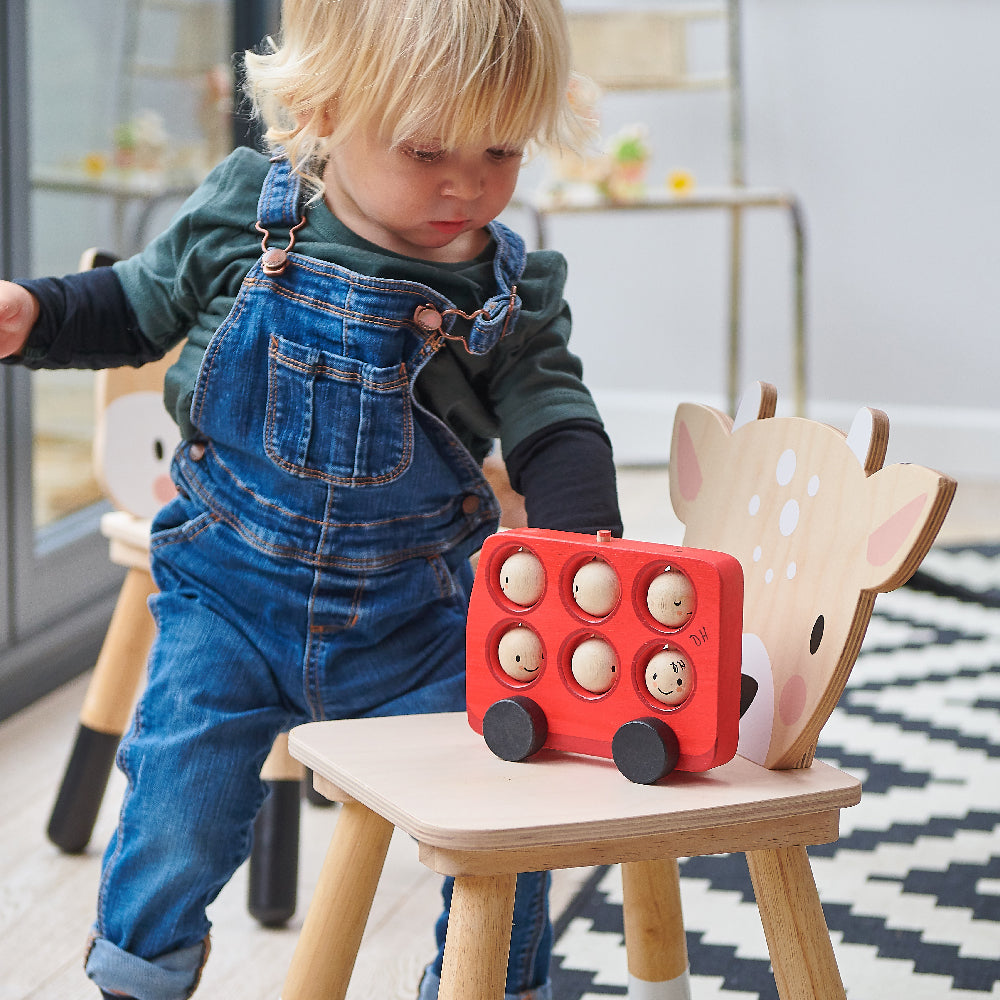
{"x": 884, "y": 117}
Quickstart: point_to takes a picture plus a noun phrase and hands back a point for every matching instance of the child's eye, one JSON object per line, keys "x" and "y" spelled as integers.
{"x": 500, "y": 153}
{"x": 424, "y": 154}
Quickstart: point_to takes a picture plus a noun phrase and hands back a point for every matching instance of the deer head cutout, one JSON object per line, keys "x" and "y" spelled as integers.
{"x": 819, "y": 528}
{"x": 135, "y": 437}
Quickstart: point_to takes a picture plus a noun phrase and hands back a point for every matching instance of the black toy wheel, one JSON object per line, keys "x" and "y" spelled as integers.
{"x": 515, "y": 728}
{"x": 645, "y": 750}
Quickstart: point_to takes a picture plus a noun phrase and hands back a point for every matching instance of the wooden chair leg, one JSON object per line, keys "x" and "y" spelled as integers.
{"x": 805, "y": 967}
{"x": 478, "y": 940}
{"x": 331, "y": 935}
{"x": 654, "y": 931}
{"x": 107, "y": 708}
{"x": 274, "y": 860}
{"x": 313, "y": 797}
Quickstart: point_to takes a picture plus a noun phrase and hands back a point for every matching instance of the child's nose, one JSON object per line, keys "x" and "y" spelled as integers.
{"x": 465, "y": 184}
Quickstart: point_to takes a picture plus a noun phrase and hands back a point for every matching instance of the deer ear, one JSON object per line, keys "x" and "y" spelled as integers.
{"x": 868, "y": 438}
{"x": 700, "y": 434}
{"x": 758, "y": 402}
{"x": 908, "y": 504}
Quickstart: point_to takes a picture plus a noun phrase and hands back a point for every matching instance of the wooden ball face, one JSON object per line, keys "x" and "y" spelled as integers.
{"x": 669, "y": 678}
{"x": 520, "y": 653}
{"x": 522, "y": 578}
{"x": 594, "y": 666}
{"x": 670, "y": 598}
{"x": 595, "y": 588}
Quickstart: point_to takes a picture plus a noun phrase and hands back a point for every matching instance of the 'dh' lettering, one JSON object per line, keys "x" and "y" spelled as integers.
{"x": 700, "y": 636}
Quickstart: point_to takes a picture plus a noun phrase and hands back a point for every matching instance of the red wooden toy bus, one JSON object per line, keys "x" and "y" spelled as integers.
{"x": 607, "y": 647}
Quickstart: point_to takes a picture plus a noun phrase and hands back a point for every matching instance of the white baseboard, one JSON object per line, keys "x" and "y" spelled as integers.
{"x": 963, "y": 443}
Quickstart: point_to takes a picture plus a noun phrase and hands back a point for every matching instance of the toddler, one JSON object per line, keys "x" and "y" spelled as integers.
{"x": 358, "y": 329}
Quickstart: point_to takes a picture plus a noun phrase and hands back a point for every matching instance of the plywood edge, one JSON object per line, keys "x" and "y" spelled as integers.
{"x": 440, "y": 814}
{"x": 796, "y": 831}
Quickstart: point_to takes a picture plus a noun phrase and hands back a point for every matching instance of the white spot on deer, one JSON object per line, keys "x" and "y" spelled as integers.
{"x": 786, "y": 467}
{"x": 788, "y": 521}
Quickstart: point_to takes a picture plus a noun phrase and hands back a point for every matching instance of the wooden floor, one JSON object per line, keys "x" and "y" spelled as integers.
{"x": 47, "y": 899}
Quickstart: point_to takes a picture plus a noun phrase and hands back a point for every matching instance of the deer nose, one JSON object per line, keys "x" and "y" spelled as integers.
{"x": 758, "y": 715}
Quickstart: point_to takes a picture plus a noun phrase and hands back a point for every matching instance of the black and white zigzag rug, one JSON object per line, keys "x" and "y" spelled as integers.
{"x": 911, "y": 890}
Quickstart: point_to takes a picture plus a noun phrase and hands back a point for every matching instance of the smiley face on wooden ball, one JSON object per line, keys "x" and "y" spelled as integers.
{"x": 522, "y": 578}
{"x": 595, "y": 588}
{"x": 594, "y": 665}
{"x": 520, "y": 653}
{"x": 670, "y": 598}
{"x": 669, "y": 678}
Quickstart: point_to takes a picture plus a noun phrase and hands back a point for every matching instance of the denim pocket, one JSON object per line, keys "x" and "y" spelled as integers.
{"x": 179, "y": 520}
{"x": 336, "y": 418}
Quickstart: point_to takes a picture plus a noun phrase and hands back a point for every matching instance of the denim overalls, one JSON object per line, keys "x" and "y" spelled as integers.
{"x": 313, "y": 566}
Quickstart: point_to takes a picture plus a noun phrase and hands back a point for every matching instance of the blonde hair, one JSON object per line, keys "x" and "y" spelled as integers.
{"x": 433, "y": 69}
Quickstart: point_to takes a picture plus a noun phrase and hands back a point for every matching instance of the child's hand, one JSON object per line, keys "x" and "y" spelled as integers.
{"x": 18, "y": 312}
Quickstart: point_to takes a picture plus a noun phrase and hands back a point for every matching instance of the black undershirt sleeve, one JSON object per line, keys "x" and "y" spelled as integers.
{"x": 566, "y": 474}
{"x": 565, "y": 471}
{"x": 84, "y": 321}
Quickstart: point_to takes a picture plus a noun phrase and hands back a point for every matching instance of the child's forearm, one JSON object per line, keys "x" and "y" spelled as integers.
{"x": 18, "y": 314}
{"x": 566, "y": 473}
{"x": 84, "y": 321}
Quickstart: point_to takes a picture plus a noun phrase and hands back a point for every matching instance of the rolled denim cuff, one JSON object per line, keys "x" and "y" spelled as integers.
{"x": 430, "y": 985}
{"x": 173, "y": 976}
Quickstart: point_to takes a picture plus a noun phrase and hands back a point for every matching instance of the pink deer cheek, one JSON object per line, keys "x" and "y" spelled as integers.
{"x": 163, "y": 489}
{"x": 792, "y": 700}
{"x": 689, "y": 471}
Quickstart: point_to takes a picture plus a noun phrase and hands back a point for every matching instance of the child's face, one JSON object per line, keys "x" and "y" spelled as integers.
{"x": 418, "y": 199}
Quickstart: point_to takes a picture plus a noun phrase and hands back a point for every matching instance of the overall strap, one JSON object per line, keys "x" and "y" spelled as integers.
{"x": 500, "y": 313}
{"x": 279, "y": 203}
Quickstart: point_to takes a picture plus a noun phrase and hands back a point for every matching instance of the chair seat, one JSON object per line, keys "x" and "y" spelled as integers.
{"x": 128, "y": 536}
{"x": 473, "y": 813}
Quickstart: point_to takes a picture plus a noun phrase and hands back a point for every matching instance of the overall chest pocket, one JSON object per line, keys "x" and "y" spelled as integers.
{"x": 336, "y": 418}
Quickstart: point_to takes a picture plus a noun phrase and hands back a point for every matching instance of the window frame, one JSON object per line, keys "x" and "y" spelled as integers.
{"x": 58, "y": 586}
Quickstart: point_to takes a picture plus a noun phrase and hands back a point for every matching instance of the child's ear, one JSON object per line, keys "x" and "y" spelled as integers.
{"x": 318, "y": 122}
{"x": 324, "y": 123}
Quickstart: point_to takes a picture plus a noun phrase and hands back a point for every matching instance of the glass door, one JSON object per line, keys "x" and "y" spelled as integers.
{"x": 112, "y": 111}
{"x": 131, "y": 104}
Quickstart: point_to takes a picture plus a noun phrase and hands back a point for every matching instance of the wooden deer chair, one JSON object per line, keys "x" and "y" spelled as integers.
{"x": 133, "y": 444}
{"x": 819, "y": 528}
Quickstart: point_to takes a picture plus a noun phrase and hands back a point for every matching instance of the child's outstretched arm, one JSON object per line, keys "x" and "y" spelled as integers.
{"x": 83, "y": 320}
{"x": 18, "y": 313}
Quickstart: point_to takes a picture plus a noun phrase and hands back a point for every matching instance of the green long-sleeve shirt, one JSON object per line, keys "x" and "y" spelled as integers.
{"x": 185, "y": 282}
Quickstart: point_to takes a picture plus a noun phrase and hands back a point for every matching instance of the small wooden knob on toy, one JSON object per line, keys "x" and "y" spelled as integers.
{"x": 522, "y": 578}
{"x": 670, "y": 598}
{"x": 594, "y": 665}
{"x": 669, "y": 678}
{"x": 596, "y": 589}
{"x": 520, "y": 653}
